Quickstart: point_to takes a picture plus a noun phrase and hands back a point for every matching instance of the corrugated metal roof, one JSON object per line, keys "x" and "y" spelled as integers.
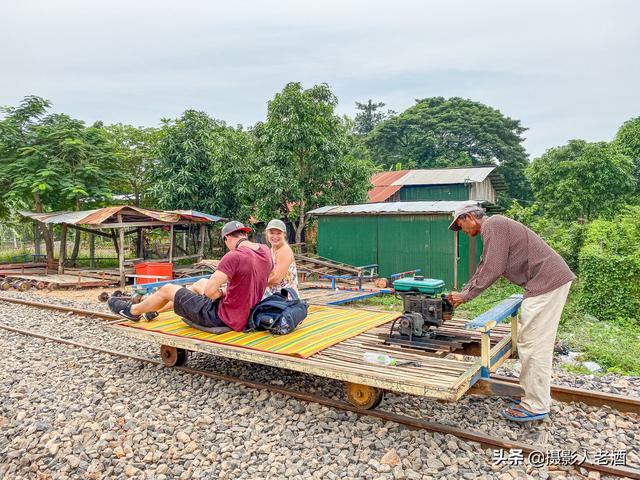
{"x": 444, "y": 176}
{"x": 195, "y": 215}
{"x": 380, "y": 194}
{"x": 397, "y": 208}
{"x": 128, "y": 213}
{"x": 383, "y": 179}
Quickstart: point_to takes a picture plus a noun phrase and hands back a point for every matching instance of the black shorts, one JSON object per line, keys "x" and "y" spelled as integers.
{"x": 197, "y": 308}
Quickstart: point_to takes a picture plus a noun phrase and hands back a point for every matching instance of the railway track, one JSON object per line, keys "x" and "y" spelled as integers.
{"x": 561, "y": 393}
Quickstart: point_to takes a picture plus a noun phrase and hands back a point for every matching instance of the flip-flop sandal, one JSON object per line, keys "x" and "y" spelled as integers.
{"x": 529, "y": 416}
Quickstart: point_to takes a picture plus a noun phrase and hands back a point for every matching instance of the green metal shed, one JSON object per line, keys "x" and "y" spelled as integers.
{"x": 399, "y": 236}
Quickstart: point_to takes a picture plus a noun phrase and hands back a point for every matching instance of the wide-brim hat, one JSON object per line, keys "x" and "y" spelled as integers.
{"x": 233, "y": 226}
{"x": 463, "y": 209}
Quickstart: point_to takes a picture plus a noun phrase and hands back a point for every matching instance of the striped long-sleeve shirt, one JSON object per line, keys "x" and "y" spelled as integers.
{"x": 512, "y": 250}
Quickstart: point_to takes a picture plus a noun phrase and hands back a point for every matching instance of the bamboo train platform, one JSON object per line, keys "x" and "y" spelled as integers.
{"x": 436, "y": 375}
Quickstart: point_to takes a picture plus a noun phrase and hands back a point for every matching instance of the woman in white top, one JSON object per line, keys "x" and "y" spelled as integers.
{"x": 284, "y": 273}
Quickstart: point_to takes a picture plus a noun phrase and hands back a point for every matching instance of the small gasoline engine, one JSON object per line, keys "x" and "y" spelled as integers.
{"x": 425, "y": 309}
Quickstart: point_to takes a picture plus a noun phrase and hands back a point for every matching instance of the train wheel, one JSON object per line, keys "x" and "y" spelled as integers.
{"x": 23, "y": 286}
{"x": 172, "y": 356}
{"x": 103, "y": 297}
{"x": 41, "y": 285}
{"x": 363, "y": 396}
{"x": 5, "y": 285}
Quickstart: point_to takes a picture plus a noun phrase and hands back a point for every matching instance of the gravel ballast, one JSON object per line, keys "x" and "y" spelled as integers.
{"x": 73, "y": 413}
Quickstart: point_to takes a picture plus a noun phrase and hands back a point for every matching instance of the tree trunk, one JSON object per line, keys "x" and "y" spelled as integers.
{"x": 46, "y": 234}
{"x": 114, "y": 237}
{"x": 63, "y": 248}
{"x": 299, "y": 225}
{"x": 210, "y": 236}
{"x": 76, "y": 243}
{"x": 36, "y": 239}
{"x": 92, "y": 250}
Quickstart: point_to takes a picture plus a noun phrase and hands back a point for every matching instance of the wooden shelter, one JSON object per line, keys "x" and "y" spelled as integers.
{"x": 120, "y": 221}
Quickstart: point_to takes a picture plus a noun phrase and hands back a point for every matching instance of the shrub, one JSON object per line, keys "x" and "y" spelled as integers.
{"x": 610, "y": 267}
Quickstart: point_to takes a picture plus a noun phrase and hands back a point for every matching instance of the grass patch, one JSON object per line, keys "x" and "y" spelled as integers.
{"x": 614, "y": 345}
{"x": 489, "y": 298}
{"x": 383, "y": 302}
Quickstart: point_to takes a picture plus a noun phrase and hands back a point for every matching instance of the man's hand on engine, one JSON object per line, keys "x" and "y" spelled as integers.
{"x": 455, "y": 299}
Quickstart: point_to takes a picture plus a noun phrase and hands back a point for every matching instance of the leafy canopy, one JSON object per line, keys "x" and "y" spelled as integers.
{"x": 202, "y": 164}
{"x": 306, "y": 156}
{"x": 136, "y": 150}
{"x": 438, "y": 132}
{"x": 628, "y": 142}
{"x": 581, "y": 180}
{"x": 369, "y": 115}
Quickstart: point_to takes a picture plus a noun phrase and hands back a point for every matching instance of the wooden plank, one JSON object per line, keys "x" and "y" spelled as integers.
{"x": 495, "y": 315}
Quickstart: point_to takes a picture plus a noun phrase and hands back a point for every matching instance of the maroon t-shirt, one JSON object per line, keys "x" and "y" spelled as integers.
{"x": 248, "y": 271}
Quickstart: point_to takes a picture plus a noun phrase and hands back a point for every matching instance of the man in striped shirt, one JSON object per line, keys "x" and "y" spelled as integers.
{"x": 515, "y": 252}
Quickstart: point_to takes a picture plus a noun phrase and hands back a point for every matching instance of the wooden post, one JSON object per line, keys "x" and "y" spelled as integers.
{"x": 485, "y": 350}
{"x": 92, "y": 250}
{"x": 201, "y": 244}
{"x": 171, "y": 242}
{"x": 140, "y": 242}
{"x": 36, "y": 239}
{"x": 456, "y": 257}
{"x": 63, "y": 249}
{"x": 514, "y": 335}
{"x": 123, "y": 279}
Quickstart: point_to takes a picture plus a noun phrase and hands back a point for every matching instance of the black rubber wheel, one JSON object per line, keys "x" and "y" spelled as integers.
{"x": 363, "y": 396}
{"x": 172, "y": 356}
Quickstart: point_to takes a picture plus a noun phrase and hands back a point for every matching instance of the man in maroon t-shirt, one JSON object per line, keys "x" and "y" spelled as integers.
{"x": 245, "y": 269}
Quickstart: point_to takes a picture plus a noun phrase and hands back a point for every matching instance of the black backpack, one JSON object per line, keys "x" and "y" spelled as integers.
{"x": 276, "y": 314}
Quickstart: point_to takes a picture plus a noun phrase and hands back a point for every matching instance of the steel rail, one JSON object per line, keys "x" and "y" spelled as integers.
{"x": 560, "y": 393}
{"x": 486, "y": 441}
{"x": 61, "y": 308}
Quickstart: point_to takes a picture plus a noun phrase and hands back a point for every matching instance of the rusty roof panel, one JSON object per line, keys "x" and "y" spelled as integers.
{"x": 380, "y": 194}
{"x": 384, "y": 179}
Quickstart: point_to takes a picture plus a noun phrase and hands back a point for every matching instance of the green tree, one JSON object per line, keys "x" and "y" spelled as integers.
{"x": 438, "y": 132}
{"x": 369, "y": 115}
{"x": 628, "y": 141}
{"x": 580, "y": 180}
{"x": 306, "y": 157}
{"x": 136, "y": 150}
{"x": 202, "y": 164}
{"x": 52, "y": 161}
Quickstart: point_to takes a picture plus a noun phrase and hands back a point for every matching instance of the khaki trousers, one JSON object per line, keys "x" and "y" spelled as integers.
{"x": 539, "y": 319}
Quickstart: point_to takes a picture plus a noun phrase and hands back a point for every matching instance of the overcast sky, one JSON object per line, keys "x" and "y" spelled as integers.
{"x": 566, "y": 69}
